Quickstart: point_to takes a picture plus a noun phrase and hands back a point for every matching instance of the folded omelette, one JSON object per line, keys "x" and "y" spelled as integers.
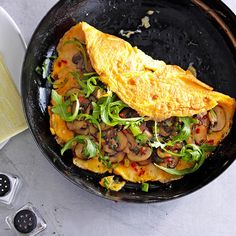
{"x": 122, "y": 112}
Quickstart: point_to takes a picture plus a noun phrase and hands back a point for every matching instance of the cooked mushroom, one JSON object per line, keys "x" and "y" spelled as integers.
{"x": 167, "y": 127}
{"x": 77, "y": 59}
{"x": 200, "y": 134}
{"x": 128, "y": 113}
{"x": 79, "y": 151}
{"x": 131, "y": 140}
{"x": 79, "y": 126}
{"x": 217, "y": 118}
{"x": 139, "y": 153}
{"x": 84, "y": 104}
{"x": 146, "y": 162}
{"x": 93, "y": 130}
{"x": 114, "y": 141}
{"x": 118, "y": 157}
{"x": 172, "y": 162}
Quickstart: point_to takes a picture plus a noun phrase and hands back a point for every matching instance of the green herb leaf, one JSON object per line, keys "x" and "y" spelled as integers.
{"x": 91, "y": 85}
{"x": 61, "y": 108}
{"x": 207, "y": 148}
{"x": 184, "y": 171}
{"x": 185, "y": 131}
{"x": 191, "y": 152}
{"x": 105, "y": 161}
{"x": 96, "y": 110}
{"x": 90, "y": 150}
{"x": 135, "y": 129}
{"x": 141, "y": 139}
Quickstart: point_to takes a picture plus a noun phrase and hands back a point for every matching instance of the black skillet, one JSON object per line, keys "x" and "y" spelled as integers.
{"x": 182, "y": 32}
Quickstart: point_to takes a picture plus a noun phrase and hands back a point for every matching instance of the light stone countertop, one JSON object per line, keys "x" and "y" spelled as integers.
{"x": 71, "y": 211}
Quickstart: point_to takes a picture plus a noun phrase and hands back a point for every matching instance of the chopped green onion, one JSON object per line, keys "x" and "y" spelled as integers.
{"x": 145, "y": 187}
{"x": 141, "y": 139}
{"x": 135, "y": 129}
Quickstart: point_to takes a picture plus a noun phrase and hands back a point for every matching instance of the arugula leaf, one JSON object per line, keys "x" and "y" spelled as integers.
{"x": 61, "y": 108}
{"x": 185, "y": 131}
{"x": 96, "y": 110}
{"x": 90, "y": 149}
{"x": 190, "y": 152}
{"x": 91, "y": 85}
{"x": 110, "y": 109}
{"x": 171, "y": 171}
{"x": 88, "y": 84}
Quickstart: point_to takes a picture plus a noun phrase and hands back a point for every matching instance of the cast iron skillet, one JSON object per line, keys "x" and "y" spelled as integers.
{"x": 182, "y": 32}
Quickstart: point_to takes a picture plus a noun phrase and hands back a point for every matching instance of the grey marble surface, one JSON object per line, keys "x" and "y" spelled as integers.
{"x": 68, "y": 210}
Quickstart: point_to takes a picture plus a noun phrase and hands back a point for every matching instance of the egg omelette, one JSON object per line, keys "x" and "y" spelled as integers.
{"x": 158, "y": 92}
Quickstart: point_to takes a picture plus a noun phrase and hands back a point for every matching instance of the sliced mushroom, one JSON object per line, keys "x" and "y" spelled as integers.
{"x": 122, "y": 140}
{"x": 92, "y": 130}
{"x": 79, "y": 151}
{"x": 131, "y": 140}
{"x": 108, "y": 149}
{"x": 79, "y": 126}
{"x": 172, "y": 162}
{"x": 104, "y": 127}
{"x": 77, "y": 59}
{"x": 200, "y": 134}
{"x": 217, "y": 118}
{"x": 168, "y": 127}
{"x": 146, "y": 162}
{"x": 114, "y": 141}
{"x": 118, "y": 157}
{"x": 128, "y": 113}
{"x": 139, "y": 154}
{"x": 84, "y": 103}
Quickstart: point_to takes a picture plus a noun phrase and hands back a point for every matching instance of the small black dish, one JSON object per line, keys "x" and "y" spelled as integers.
{"x": 200, "y": 32}
{"x": 25, "y": 221}
{"x": 5, "y": 185}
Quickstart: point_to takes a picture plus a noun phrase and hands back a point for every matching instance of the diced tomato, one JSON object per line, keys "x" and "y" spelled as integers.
{"x": 134, "y": 166}
{"x": 210, "y": 141}
{"x": 197, "y": 130}
{"x": 59, "y": 64}
{"x": 141, "y": 172}
{"x": 122, "y": 115}
{"x": 64, "y": 61}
